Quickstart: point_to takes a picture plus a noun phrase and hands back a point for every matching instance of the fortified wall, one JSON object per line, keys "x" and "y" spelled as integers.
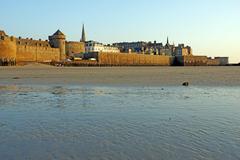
{"x": 16, "y": 50}
{"x": 196, "y": 61}
{"x": 29, "y": 50}
{"x": 133, "y": 59}
{"x": 74, "y": 48}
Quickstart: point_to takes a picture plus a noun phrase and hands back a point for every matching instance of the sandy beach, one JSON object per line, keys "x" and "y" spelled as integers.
{"x": 119, "y": 113}
{"x": 38, "y": 74}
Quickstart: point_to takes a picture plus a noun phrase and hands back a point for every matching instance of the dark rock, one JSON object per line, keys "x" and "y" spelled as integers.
{"x": 185, "y": 84}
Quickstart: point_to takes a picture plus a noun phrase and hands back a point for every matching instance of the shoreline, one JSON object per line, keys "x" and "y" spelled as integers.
{"x": 38, "y": 74}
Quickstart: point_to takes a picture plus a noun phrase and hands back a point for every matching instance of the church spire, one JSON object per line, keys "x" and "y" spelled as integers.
{"x": 83, "y": 39}
{"x": 167, "y": 45}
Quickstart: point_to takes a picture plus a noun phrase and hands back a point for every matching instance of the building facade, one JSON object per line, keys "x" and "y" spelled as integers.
{"x": 181, "y": 50}
{"x": 127, "y": 47}
{"x": 154, "y": 48}
{"x": 92, "y": 46}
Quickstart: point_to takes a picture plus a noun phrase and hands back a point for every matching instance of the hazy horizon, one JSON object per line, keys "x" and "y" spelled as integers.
{"x": 210, "y": 27}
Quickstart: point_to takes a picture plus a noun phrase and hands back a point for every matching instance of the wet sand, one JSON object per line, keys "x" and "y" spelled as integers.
{"x": 38, "y": 74}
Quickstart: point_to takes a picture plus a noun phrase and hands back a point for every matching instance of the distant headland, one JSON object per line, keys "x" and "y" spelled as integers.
{"x": 57, "y": 50}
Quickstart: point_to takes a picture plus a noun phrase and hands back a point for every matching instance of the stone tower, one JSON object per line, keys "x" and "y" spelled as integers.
{"x": 58, "y": 40}
{"x": 8, "y": 47}
{"x": 83, "y": 39}
{"x": 2, "y": 33}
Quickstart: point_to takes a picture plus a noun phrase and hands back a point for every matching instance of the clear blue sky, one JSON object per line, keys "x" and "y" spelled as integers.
{"x": 211, "y": 27}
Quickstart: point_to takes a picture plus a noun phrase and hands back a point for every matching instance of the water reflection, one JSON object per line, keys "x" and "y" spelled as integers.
{"x": 59, "y": 92}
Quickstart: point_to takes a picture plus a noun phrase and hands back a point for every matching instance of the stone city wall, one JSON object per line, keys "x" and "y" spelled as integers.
{"x": 191, "y": 60}
{"x": 133, "y": 59}
{"x": 32, "y": 42}
{"x": 196, "y": 61}
{"x": 74, "y": 47}
{"x": 213, "y": 62}
{"x": 37, "y": 54}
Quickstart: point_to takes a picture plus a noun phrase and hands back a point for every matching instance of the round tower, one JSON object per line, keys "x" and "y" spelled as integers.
{"x": 58, "y": 40}
{"x": 8, "y": 49}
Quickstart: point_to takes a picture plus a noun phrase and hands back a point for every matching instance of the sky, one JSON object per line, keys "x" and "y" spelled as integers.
{"x": 210, "y": 27}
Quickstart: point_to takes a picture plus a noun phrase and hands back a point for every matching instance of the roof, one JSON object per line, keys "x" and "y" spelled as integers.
{"x": 2, "y": 33}
{"x": 58, "y": 33}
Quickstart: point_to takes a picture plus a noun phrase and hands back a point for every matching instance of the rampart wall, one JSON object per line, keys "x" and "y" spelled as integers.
{"x": 133, "y": 59}
{"x": 74, "y": 47}
{"x": 37, "y": 54}
{"x": 196, "y": 61}
{"x": 191, "y": 60}
{"x": 213, "y": 62}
